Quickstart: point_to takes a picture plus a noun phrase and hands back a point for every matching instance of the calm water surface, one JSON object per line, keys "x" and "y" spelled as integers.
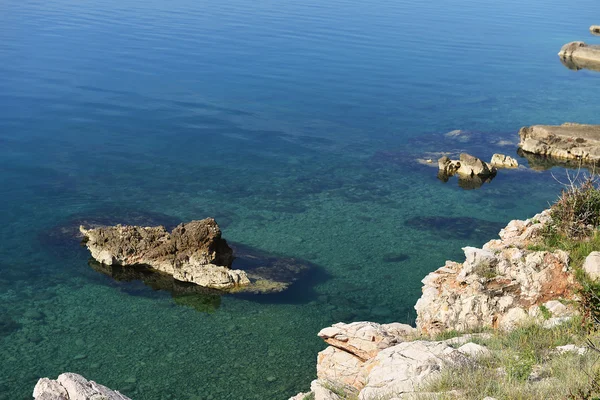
{"x": 295, "y": 124}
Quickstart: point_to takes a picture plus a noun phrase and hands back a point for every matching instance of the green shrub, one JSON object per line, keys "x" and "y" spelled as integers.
{"x": 576, "y": 213}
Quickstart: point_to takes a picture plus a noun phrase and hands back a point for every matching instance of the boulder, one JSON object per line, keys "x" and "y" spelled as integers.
{"x": 474, "y": 350}
{"x": 567, "y": 141}
{"x": 571, "y": 348}
{"x": 339, "y": 366}
{"x": 192, "y": 252}
{"x": 591, "y": 265}
{"x": 351, "y": 345}
{"x": 595, "y": 29}
{"x": 365, "y": 339}
{"x": 473, "y": 166}
{"x": 467, "y": 165}
{"x": 578, "y": 55}
{"x": 497, "y": 285}
{"x": 69, "y": 386}
{"x": 404, "y": 368}
{"x": 503, "y": 161}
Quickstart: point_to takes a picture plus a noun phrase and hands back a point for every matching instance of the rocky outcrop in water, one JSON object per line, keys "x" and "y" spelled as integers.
{"x": 69, "y": 386}
{"x": 579, "y": 142}
{"x": 498, "y": 286}
{"x": 578, "y": 55}
{"x": 595, "y": 29}
{"x": 471, "y": 171}
{"x": 503, "y": 161}
{"x": 467, "y": 165}
{"x": 192, "y": 252}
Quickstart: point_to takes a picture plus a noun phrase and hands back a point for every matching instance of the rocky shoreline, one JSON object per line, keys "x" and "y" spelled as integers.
{"x": 569, "y": 141}
{"x": 501, "y": 286}
{"x": 504, "y": 284}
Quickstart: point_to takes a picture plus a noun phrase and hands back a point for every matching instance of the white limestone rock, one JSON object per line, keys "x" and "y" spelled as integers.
{"x": 503, "y": 161}
{"x": 70, "y": 386}
{"x": 365, "y": 339}
{"x": 474, "y": 350}
{"x": 407, "y": 366}
{"x": 571, "y": 348}
{"x": 497, "y": 285}
{"x": 591, "y": 266}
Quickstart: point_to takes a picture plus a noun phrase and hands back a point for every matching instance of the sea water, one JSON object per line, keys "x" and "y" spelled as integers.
{"x": 298, "y": 126}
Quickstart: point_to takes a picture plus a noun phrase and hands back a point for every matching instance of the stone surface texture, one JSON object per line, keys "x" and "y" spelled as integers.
{"x": 369, "y": 360}
{"x": 579, "y": 55}
{"x": 591, "y": 265}
{"x": 467, "y": 165}
{"x": 192, "y": 252}
{"x": 503, "y": 161}
{"x": 499, "y": 286}
{"x": 566, "y": 141}
{"x": 69, "y": 386}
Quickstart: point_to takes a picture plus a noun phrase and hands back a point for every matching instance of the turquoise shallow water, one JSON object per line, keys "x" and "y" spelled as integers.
{"x": 296, "y": 125}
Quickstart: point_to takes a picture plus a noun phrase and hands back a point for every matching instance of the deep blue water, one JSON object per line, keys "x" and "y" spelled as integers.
{"x": 297, "y": 125}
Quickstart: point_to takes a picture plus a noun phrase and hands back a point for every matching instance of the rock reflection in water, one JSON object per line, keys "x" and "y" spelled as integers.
{"x": 542, "y": 163}
{"x": 466, "y": 182}
{"x": 198, "y": 297}
{"x": 579, "y": 64}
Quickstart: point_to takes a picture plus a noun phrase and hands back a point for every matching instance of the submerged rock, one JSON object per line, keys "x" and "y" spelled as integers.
{"x": 579, "y": 142}
{"x": 455, "y": 227}
{"x": 591, "y": 266}
{"x": 69, "y": 386}
{"x": 578, "y": 55}
{"x": 192, "y": 252}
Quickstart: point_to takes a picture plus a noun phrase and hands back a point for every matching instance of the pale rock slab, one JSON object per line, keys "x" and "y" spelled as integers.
{"x": 406, "y": 366}
{"x": 337, "y": 365}
{"x": 503, "y": 161}
{"x": 566, "y": 141}
{"x": 474, "y": 350}
{"x": 70, "y": 386}
{"x": 571, "y": 348}
{"x": 497, "y": 285}
{"x": 365, "y": 339}
{"x": 591, "y": 265}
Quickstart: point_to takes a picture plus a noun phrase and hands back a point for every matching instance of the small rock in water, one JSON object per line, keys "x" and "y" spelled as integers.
{"x": 131, "y": 380}
{"x": 80, "y": 357}
{"x": 271, "y": 379}
{"x": 79, "y": 342}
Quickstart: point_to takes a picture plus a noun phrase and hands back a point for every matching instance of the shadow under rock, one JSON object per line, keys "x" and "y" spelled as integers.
{"x": 184, "y": 293}
{"x": 542, "y": 163}
{"x": 579, "y": 64}
{"x": 456, "y": 227}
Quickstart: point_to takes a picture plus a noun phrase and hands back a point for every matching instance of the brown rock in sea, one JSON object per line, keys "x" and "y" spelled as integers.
{"x": 578, "y": 55}
{"x": 192, "y": 252}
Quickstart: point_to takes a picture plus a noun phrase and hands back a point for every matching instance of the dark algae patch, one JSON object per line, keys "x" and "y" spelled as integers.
{"x": 456, "y": 227}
